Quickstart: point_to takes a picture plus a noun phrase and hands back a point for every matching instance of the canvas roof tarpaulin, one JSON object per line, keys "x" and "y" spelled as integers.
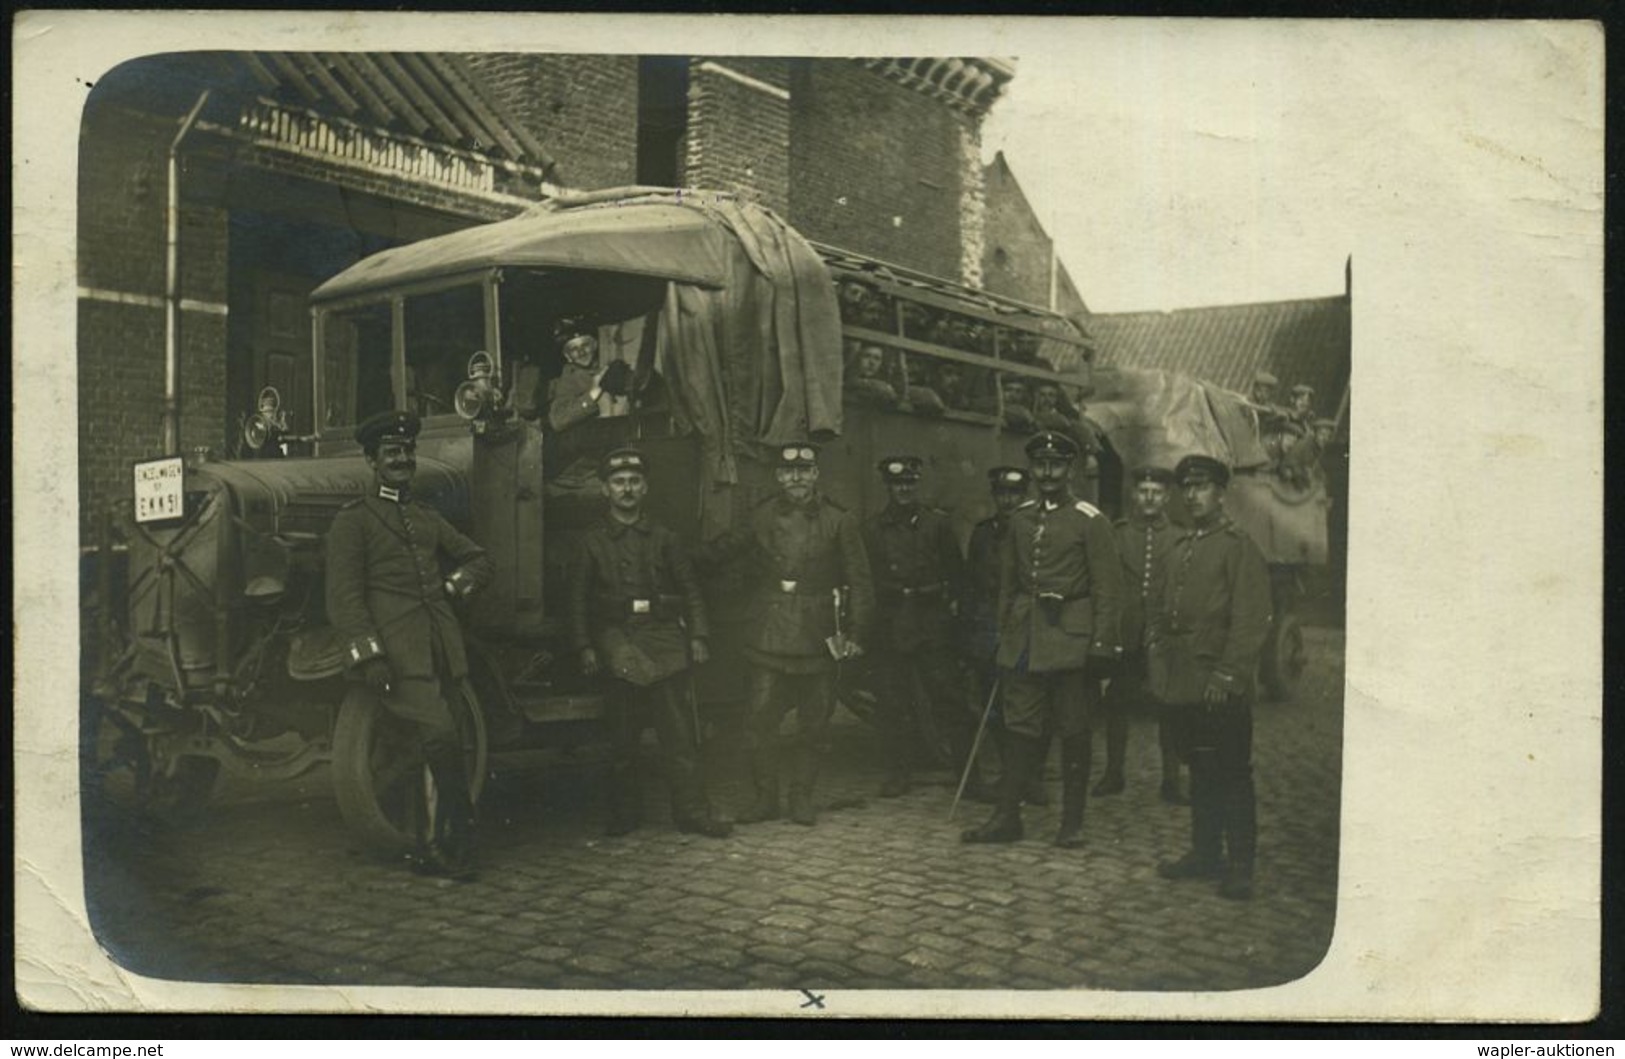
{"x": 756, "y": 358}
{"x": 646, "y": 238}
{"x": 1155, "y": 417}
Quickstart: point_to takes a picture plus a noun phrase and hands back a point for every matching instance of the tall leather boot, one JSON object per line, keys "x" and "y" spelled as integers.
{"x": 1033, "y": 791}
{"x": 1204, "y": 860}
{"x": 764, "y": 778}
{"x": 1075, "y": 754}
{"x": 1240, "y": 825}
{"x": 803, "y": 778}
{"x": 624, "y": 802}
{"x": 1116, "y": 749}
{"x": 1021, "y": 753}
{"x": 449, "y": 817}
{"x": 1172, "y": 791}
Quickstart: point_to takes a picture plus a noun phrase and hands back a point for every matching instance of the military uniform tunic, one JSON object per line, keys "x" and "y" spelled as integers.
{"x": 392, "y": 564}
{"x": 1213, "y": 615}
{"x": 919, "y": 574}
{"x": 797, "y": 557}
{"x": 1212, "y": 618}
{"x": 1060, "y": 603}
{"x": 1144, "y": 545}
{"x": 634, "y": 597}
{"x": 918, "y": 571}
{"x": 982, "y": 586}
{"x": 1063, "y": 550}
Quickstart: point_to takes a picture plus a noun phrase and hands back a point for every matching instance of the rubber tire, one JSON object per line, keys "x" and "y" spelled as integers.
{"x": 1283, "y": 658}
{"x": 130, "y": 781}
{"x": 362, "y": 731}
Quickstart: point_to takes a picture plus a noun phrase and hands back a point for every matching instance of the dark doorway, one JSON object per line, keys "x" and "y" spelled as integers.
{"x": 662, "y": 119}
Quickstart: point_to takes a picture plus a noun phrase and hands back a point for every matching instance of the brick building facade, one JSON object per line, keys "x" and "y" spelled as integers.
{"x": 299, "y": 165}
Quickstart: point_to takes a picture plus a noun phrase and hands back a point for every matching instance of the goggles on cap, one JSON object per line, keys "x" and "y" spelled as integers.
{"x": 896, "y": 467}
{"x": 624, "y": 461}
{"x": 1012, "y": 478}
{"x": 791, "y": 453}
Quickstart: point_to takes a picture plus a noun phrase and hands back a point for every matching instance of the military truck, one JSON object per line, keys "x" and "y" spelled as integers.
{"x": 739, "y": 333}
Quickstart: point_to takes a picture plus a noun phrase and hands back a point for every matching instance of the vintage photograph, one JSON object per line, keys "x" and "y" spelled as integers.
{"x": 809, "y": 517}
{"x": 674, "y": 522}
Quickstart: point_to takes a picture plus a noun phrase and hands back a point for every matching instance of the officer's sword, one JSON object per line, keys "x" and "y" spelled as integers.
{"x": 975, "y": 747}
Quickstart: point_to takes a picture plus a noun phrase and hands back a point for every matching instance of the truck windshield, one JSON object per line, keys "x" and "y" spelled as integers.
{"x": 442, "y": 329}
{"x": 355, "y": 364}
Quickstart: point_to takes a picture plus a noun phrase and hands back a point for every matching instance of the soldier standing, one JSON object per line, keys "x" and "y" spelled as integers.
{"x": 1008, "y": 486}
{"x": 1206, "y": 634}
{"x": 804, "y": 555}
{"x": 636, "y": 609}
{"x": 394, "y": 566}
{"x": 1060, "y": 603}
{"x": 918, "y": 579}
{"x": 1143, "y": 540}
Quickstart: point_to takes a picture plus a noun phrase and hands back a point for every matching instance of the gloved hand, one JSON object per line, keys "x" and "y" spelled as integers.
{"x": 375, "y": 673}
{"x": 616, "y": 378}
{"x": 1217, "y": 691}
{"x": 589, "y": 662}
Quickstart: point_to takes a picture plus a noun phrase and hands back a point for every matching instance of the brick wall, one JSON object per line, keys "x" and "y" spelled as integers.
{"x": 738, "y": 132}
{"x": 875, "y": 167}
{"x": 1016, "y": 249}
{"x": 583, "y": 109}
{"x": 121, "y": 344}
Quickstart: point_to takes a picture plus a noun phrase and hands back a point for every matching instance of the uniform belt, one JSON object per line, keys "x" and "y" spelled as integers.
{"x": 641, "y": 606}
{"x": 794, "y": 587}
{"x": 910, "y": 591}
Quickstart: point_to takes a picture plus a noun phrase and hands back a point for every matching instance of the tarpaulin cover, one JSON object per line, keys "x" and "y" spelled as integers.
{"x": 645, "y": 238}
{"x": 1154, "y": 417}
{"x": 756, "y": 359}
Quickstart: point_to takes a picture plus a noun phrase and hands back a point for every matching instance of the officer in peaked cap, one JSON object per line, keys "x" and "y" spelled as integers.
{"x": 1206, "y": 631}
{"x": 918, "y": 579}
{"x": 392, "y": 425}
{"x": 1050, "y": 445}
{"x": 387, "y": 594}
{"x": 809, "y": 604}
{"x": 1144, "y": 540}
{"x": 636, "y": 611}
{"x": 1060, "y": 602}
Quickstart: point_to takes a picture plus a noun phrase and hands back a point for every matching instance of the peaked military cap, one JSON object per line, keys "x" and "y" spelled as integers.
{"x": 1153, "y": 473}
{"x": 1051, "y": 445}
{"x": 900, "y": 468}
{"x": 1195, "y": 469}
{"x": 1011, "y": 478}
{"x": 623, "y": 459}
{"x": 797, "y": 454}
{"x": 387, "y": 426}
{"x": 1303, "y": 387}
{"x": 1266, "y": 378}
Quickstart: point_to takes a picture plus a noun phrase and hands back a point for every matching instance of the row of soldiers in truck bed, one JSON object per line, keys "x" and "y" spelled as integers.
{"x": 1057, "y": 600}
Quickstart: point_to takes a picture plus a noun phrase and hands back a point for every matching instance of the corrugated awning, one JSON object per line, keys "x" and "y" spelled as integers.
{"x": 425, "y": 94}
{"x": 1305, "y": 341}
{"x": 661, "y": 240}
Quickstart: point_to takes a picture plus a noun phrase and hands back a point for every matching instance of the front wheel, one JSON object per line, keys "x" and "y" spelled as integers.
{"x": 1283, "y": 657}
{"x": 376, "y": 756}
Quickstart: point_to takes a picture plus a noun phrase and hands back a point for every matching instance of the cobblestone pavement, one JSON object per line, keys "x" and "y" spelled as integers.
{"x": 270, "y": 887}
